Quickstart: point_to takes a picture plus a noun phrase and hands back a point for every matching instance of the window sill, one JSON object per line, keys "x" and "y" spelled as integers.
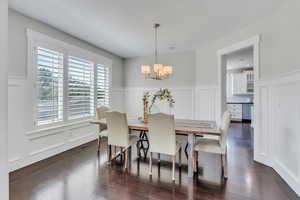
{"x": 53, "y": 130}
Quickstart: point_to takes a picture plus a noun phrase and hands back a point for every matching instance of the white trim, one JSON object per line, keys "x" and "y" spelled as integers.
{"x": 157, "y": 88}
{"x": 46, "y": 152}
{"x": 41, "y": 38}
{"x": 251, "y": 42}
{"x": 46, "y": 149}
{"x": 284, "y": 78}
{"x": 37, "y": 133}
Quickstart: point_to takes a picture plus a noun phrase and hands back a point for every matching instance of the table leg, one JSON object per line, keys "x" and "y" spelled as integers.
{"x": 191, "y": 142}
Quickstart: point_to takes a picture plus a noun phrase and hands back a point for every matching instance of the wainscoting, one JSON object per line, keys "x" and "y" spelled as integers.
{"x": 276, "y": 141}
{"x": 277, "y": 137}
{"x": 279, "y": 117}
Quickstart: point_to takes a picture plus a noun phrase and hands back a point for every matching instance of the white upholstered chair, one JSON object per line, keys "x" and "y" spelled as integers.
{"x": 102, "y": 132}
{"x": 215, "y": 146}
{"x": 118, "y": 134}
{"x": 162, "y": 138}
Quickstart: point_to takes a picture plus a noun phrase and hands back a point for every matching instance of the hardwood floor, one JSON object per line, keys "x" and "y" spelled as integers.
{"x": 80, "y": 174}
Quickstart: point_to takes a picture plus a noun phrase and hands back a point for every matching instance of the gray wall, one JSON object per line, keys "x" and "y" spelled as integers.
{"x": 279, "y": 50}
{"x": 3, "y": 101}
{"x": 183, "y": 70}
{"x": 18, "y": 45}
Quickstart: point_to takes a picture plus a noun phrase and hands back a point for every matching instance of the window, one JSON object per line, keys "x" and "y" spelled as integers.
{"x": 68, "y": 81}
{"x": 81, "y": 88}
{"x": 102, "y": 85}
{"x": 49, "y": 86}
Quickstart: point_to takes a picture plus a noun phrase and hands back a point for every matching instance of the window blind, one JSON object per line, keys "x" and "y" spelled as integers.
{"x": 102, "y": 85}
{"x": 49, "y": 85}
{"x": 80, "y": 88}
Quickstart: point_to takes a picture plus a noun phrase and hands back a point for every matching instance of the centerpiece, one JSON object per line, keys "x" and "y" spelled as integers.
{"x": 161, "y": 94}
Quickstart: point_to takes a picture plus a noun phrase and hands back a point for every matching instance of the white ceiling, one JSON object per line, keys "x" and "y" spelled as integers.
{"x": 124, "y": 27}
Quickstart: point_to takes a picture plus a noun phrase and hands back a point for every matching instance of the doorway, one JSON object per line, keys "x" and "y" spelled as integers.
{"x": 245, "y": 73}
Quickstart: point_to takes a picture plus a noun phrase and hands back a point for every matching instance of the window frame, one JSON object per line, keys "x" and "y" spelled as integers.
{"x": 109, "y": 84}
{"x": 36, "y": 39}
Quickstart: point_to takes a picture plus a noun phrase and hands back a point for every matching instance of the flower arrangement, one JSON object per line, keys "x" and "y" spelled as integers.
{"x": 161, "y": 94}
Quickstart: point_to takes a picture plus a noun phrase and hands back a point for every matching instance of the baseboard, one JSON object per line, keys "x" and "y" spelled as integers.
{"x": 15, "y": 174}
{"x": 47, "y": 152}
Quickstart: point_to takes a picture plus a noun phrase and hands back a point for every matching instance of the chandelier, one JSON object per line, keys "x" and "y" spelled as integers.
{"x": 159, "y": 71}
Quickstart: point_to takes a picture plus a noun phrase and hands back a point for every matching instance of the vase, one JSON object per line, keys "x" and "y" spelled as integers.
{"x": 145, "y": 111}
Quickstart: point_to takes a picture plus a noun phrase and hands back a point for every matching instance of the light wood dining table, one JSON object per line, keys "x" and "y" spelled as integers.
{"x": 191, "y": 128}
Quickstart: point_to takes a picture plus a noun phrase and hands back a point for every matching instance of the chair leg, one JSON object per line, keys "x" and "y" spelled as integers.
{"x": 138, "y": 149}
{"x": 194, "y": 160}
{"x": 121, "y": 154}
{"x": 197, "y": 162}
{"x": 150, "y": 165}
{"x": 186, "y": 150}
{"x": 225, "y": 166}
{"x": 99, "y": 142}
{"x": 180, "y": 156}
{"x": 126, "y": 159}
{"x": 109, "y": 154}
{"x": 222, "y": 166}
{"x": 173, "y": 167}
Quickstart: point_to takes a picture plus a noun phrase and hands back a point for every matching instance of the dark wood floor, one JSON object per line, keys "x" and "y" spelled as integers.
{"x": 80, "y": 174}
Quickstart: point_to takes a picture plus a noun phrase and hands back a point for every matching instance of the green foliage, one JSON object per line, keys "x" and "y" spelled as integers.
{"x": 163, "y": 94}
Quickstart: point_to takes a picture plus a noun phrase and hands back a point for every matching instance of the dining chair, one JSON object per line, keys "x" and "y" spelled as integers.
{"x": 215, "y": 146}
{"x": 162, "y": 139}
{"x": 102, "y": 132}
{"x": 118, "y": 134}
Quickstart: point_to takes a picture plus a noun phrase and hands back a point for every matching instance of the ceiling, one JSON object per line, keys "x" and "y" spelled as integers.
{"x": 124, "y": 27}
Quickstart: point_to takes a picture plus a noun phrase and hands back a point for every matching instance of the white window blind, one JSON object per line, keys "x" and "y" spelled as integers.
{"x": 49, "y": 86}
{"x": 80, "y": 88}
{"x": 102, "y": 85}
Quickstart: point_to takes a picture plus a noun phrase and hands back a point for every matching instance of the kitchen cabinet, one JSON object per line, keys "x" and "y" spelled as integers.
{"x": 247, "y": 111}
{"x": 236, "y": 111}
{"x": 240, "y": 111}
{"x": 243, "y": 83}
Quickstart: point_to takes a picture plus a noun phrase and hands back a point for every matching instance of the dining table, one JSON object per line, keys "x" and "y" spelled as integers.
{"x": 191, "y": 128}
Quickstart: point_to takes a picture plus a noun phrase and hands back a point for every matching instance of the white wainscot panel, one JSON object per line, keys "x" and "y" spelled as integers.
{"x": 82, "y": 133}
{"x": 133, "y": 102}
{"x": 183, "y": 107}
{"x": 26, "y": 146}
{"x": 287, "y": 119}
{"x": 206, "y": 103}
{"x": 262, "y": 142}
{"x": 277, "y": 143}
{"x": 117, "y": 99}
{"x": 184, "y": 102}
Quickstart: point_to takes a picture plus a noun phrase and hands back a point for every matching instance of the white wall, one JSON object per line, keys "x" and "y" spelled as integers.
{"x": 3, "y": 101}
{"x": 25, "y": 145}
{"x": 183, "y": 64}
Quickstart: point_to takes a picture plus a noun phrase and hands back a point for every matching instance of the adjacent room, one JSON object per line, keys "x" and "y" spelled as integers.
{"x": 139, "y": 99}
